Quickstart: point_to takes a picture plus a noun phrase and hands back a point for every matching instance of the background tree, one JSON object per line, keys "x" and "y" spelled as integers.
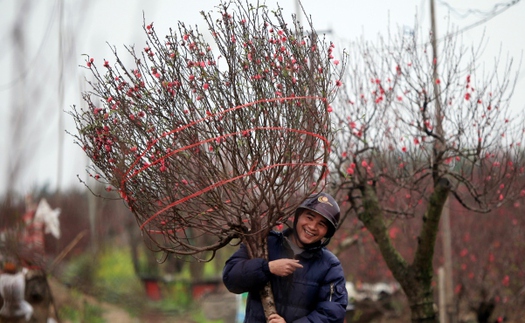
{"x": 490, "y": 266}
{"x": 210, "y": 149}
{"x": 407, "y": 138}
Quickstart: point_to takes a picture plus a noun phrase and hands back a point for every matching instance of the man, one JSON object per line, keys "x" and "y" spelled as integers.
{"x": 307, "y": 280}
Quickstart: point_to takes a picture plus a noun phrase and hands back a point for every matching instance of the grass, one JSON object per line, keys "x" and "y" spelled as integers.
{"x": 87, "y": 313}
{"x": 110, "y": 277}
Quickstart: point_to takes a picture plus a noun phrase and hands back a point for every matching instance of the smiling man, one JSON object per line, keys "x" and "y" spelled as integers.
{"x": 307, "y": 279}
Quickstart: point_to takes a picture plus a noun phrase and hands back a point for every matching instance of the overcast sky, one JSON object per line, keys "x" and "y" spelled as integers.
{"x": 30, "y": 79}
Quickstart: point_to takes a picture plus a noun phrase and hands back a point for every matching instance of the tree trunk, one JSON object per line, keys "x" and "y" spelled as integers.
{"x": 415, "y": 279}
{"x": 267, "y": 300}
{"x": 423, "y": 308}
{"x": 417, "y": 285}
{"x": 258, "y": 248}
{"x": 134, "y": 240}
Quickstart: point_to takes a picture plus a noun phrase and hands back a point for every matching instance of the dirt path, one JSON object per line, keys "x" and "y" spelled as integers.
{"x": 63, "y": 296}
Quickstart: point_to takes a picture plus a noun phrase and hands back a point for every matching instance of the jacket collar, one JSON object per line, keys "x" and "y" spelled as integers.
{"x": 308, "y": 252}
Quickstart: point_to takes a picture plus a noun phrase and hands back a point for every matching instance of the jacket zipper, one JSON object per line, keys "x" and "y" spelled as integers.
{"x": 331, "y": 291}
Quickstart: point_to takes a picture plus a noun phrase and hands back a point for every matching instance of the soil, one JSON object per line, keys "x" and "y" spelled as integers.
{"x": 222, "y": 305}
{"x": 62, "y": 296}
{"x": 219, "y": 305}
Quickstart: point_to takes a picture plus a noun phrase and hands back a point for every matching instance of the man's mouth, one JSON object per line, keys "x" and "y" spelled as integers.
{"x": 309, "y": 233}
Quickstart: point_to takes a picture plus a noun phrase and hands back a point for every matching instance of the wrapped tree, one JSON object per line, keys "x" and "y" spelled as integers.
{"x": 209, "y": 144}
{"x": 418, "y": 123}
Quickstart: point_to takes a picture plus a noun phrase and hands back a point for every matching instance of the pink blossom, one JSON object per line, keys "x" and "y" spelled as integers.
{"x": 393, "y": 232}
{"x": 506, "y": 281}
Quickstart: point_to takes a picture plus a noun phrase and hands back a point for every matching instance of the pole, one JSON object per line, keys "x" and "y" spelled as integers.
{"x": 447, "y": 255}
{"x": 438, "y": 148}
{"x": 60, "y": 146}
{"x": 298, "y": 10}
{"x": 442, "y": 297}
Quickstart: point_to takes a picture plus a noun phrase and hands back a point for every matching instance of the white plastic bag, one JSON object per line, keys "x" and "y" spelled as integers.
{"x": 12, "y": 287}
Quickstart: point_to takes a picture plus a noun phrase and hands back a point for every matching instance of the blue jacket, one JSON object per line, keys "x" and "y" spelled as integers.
{"x": 314, "y": 293}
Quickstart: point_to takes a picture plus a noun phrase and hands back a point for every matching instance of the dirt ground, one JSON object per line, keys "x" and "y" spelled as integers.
{"x": 63, "y": 296}
{"x": 222, "y": 305}
{"x": 218, "y": 306}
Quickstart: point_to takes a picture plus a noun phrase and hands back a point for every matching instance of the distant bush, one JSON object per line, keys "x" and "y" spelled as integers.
{"x": 89, "y": 313}
{"x": 115, "y": 278}
{"x": 79, "y": 272}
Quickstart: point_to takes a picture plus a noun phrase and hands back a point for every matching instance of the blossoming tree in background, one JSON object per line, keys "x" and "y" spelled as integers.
{"x": 213, "y": 143}
{"x": 415, "y": 127}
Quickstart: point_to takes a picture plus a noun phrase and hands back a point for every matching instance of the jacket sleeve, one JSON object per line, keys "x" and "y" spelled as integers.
{"x": 333, "y": 299}
{"x": 242, "y": 274}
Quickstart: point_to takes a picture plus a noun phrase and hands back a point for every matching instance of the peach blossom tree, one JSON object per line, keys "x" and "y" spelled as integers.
{"x": 489, "y": 265}
{"x": 213, "y": 143}
{"x": 418, "y": 124}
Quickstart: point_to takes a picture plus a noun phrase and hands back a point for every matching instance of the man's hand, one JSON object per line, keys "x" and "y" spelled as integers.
{"x": 284, "y": 267}
{"x": 276, "y": 318}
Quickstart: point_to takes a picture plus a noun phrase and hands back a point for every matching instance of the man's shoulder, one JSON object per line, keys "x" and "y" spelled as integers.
{"x": 330, "y": 257}
{"x": 274, "y": 236}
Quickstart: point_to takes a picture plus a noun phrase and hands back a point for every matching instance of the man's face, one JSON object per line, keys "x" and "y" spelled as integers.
{"x": 311, "y": 227}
